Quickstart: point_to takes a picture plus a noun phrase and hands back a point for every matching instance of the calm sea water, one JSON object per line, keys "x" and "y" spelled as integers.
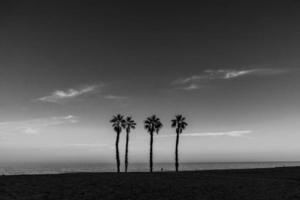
{"x": 56, "y": 168}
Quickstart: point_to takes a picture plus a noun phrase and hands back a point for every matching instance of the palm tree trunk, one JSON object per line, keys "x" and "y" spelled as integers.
{"x": 176, "y": 151}
{"x": 151, "y": 153}
{"x": 117, "y": 152}
{"x": 126, "y": 150}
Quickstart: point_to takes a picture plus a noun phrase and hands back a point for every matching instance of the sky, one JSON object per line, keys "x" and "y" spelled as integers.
{"x": 231, "y": 68}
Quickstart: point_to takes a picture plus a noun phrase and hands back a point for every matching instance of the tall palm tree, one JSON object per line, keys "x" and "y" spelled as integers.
{"x": 152, "y": 124}
{"x": 129, "y": 124}
{"x": 180, "y": 124}
{"x": 118, "y": 123}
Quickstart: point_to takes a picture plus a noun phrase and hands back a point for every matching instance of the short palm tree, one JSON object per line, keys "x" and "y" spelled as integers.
{"x": 152, "y": 124}
{"x": 129, "y": 124}
{"x": 180, "y": 124}
{"x": 118, "y": 123}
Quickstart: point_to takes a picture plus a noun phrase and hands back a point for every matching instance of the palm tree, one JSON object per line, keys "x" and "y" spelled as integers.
{"x": 180, "y": 124}
{"x": 152, "y": 124}
{"x": 129, "y": 124}
{"x": 118, "y": 123}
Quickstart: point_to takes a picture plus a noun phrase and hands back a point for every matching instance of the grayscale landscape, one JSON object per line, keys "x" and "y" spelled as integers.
{"x": 149, "y": 100}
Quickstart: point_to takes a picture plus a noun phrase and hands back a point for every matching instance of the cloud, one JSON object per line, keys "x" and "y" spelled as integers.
{"x": 30, "y": 130}
{"x": 237, "y": 133}
{"x": 227, "y": 74}
{"x": 189, "y": 79}
{"x": 115, "y": 97}
{"x": 34, "y": 126}
{"x": 197, "y": 81}
{"x": 191, "y": 87}
{"x": 231, "y": 73}
{"x": 61, "y": 95}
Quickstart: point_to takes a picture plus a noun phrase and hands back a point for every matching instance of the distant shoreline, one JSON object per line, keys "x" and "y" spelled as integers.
{"x": 61, "y": 168}
{"x": 165, "y": 171}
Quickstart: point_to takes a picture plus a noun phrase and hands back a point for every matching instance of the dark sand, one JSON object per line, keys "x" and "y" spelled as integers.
{"x": 277, "y": 183}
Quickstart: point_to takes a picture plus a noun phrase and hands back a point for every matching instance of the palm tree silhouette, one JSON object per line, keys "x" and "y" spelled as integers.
{"x": 118, "y": 123}
{"x": 152, "y": 124}
{"x": 180, "y": 124}
{"x": 129, "y": 124}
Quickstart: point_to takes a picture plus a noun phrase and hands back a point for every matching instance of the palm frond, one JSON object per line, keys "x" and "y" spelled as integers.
{"x": 130, "y": 123}
{"x": 152, "y": 124}
{"x": 158, "y": 126}
{"x": 118, "y": 122}
{"x": 173, "y": 123}
{"x": 179, "y": 123}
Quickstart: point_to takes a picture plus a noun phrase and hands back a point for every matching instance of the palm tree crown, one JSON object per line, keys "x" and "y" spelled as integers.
{"x": 129, "y": 123}
{"x": 153, "y": 124}
{"x": 179, "y": 123}
{"x": 118, "y": 122}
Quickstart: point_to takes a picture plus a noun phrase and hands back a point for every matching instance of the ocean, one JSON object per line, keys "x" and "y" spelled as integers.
{"x": 57, "y": 168}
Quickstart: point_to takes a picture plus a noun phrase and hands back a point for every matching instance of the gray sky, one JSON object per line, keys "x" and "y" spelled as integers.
{"x": 231, "y": 68}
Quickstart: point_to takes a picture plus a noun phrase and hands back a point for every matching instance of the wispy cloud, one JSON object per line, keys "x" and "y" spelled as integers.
{"x": 194, "y": 82}
{"x": 61, "y": 95}
{"x": 233, "y": 73}
{"x": 34, "y": 126}
{"x": 192, "y": 86}
{"x": 237, "y": 133}
{"x": 115, "y": 97}
{"x": 189, "y": 79}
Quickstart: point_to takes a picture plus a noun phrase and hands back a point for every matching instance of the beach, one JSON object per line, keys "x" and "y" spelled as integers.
{"x": 272, "y": 183}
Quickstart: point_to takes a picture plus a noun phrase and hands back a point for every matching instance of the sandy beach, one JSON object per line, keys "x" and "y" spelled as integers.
{"x": 277, "y": 183}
